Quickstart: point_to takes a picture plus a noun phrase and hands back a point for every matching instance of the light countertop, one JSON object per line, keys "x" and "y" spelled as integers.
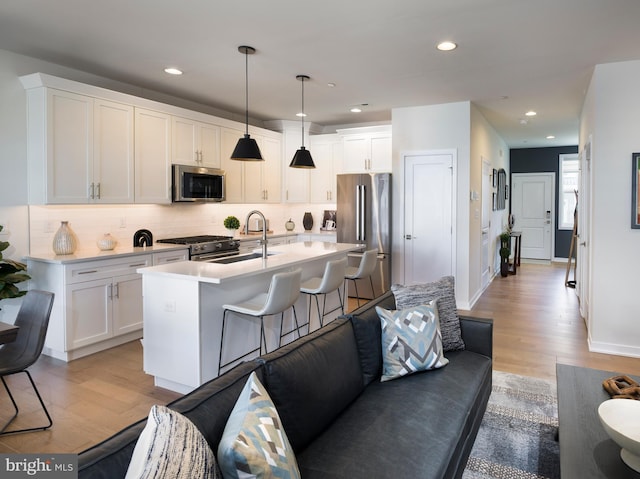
{"x": 96, "y": 254}
{"x": 281, "y": 256}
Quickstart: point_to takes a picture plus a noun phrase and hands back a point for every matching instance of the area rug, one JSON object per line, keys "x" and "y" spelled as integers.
{"x": 517, "y": 437}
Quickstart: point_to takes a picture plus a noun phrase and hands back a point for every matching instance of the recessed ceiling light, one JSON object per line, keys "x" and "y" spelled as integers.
{"x": 173, "y": 71}
{"x": 531, "y": 113}
{"x": 331, "y": 85}
{"x": 356, "y": 109}
{"x": 550, "y": 137}
{"x": 446, "y": 46}
{"x": 301, "y": 114}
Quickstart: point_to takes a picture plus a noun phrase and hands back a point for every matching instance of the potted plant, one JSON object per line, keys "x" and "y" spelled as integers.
{"x": 10, "y": 274}
{"x": 505, "y": 252}
{"x": 232, "y": 224}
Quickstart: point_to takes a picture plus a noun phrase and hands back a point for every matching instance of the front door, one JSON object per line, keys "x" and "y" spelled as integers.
{"x": 428, "y": 235}
{"x": 532, "y": 207}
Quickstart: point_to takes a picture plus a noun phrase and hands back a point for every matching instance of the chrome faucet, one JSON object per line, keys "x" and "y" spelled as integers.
{"x": 263, "y": 241}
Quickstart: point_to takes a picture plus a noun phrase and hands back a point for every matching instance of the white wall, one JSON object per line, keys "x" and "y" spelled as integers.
{"x": 420, "y": 129}
{"x": 485, "y": 143}
{"x": 611, "y": 117}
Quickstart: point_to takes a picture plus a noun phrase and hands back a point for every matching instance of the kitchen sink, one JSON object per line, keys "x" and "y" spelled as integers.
{"x": 237, "y": 258}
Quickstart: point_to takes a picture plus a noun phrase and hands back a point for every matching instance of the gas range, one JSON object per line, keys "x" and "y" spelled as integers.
{"x": 206, "y": 247}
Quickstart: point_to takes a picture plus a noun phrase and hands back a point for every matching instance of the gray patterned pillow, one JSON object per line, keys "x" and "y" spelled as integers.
{"x": 411, "y": 341}
{"x": 170, "y": 445}
{"x": 444, "y": 291}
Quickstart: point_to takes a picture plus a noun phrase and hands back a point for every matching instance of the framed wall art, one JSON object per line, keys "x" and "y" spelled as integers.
{"x": 635, "y": 200}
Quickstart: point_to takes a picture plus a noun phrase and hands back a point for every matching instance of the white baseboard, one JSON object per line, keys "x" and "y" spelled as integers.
{"x": 614, "y": 349}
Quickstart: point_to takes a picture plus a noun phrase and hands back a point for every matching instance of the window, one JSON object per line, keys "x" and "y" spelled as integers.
{"x": 569, "y": 175}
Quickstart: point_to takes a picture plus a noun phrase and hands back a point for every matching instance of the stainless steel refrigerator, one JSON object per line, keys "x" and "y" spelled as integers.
{"x": 363, "y": 215}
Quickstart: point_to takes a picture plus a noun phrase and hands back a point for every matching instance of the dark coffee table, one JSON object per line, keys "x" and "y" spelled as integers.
{"x": 586, "y": 451}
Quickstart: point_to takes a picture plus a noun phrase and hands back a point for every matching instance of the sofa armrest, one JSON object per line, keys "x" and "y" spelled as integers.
{"x": 477, "y": 334}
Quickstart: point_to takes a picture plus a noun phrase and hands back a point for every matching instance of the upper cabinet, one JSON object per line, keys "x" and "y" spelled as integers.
{"x": 366, "y": 150}
{"x": 252, "y": 181}
{"x": 195, "y": 143}
{"x": 326, "y": 151}
{"x": 153, "y": 156}
{"x": 80, "y": 149}
{"x": 91, "y": 145}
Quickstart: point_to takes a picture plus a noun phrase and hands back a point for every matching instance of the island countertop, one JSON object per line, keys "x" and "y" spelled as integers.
{"x": 278, "y": 257}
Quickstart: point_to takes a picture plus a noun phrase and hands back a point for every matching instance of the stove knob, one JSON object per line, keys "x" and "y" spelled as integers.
{"x": 218, "y": 245}
{"x": 196, "y": 248}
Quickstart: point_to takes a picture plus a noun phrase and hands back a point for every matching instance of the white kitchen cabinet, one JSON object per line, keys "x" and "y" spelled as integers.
{"x": 80, "y": 149}
{"x": 113, "y": 149}
{"x": 152, "y": 156}
{"x": 366, "y": 150}
{"x": 98, "y": 303}
{"x": 327, "y": 156}
{"x": 195, "y": 143}
{"x": 172, "y": 256}
{"x": 251, "y": 181}
{"x": 232, "y": 168}
{"x": 262, "y": 183}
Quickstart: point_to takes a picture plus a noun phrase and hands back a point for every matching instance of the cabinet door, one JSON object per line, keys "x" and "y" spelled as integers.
{"x": 170, "y": 257}
{"x": 152, "y": 157}
{"x": 69, "y": 147}
{"x": 327, "y": 156}
{"x": 127, "y": 304}
{"x": 184, "y": 146}
{"x": 380, "y": 155}
{"x": 209, "y": 136}
{"x": 356, "y": 154}
{"x": 88, "y": 315}
{"x": 271, "y": 170}
{"x": 112, "y": 153}
{"x": 232, "y": 168}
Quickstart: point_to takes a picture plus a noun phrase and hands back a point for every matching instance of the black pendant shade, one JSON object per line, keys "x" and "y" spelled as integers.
{"x": 302, "y": 157}
{"x": 247, "y": 148}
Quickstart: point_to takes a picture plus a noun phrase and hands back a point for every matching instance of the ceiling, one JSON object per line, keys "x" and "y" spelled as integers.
{"x": 513, "y": 55}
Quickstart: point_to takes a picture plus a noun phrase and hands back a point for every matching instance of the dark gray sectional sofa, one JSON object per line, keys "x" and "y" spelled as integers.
{"x": 342, "y": 422}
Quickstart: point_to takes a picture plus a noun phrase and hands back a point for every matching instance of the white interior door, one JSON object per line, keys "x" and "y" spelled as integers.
{"x": 428, "y": 203}
{"x": 532, "y": 206}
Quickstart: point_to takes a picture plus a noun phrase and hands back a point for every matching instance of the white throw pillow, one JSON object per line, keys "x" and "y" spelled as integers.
{"x": 171, "y": 446}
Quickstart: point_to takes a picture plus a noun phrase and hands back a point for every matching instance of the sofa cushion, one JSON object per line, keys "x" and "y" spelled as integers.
{"x": 254, "y": 443}
{"x": 313, "y": 379}
{"x": 171, "y": 446}
{"x": 366, "y": 327}
{"x": 411, "y": 340}
{"x": 421, "y": 425}
{"x": 444, "y": 291}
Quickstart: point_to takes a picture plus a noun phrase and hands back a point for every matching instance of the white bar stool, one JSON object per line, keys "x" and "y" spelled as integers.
{"x": 330, "y": 281}
{"x": 283, "y": 292}
{"x": 365, "y": 269}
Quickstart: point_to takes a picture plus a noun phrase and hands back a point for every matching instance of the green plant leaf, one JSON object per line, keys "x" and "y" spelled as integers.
{"x": 4, "y": 245}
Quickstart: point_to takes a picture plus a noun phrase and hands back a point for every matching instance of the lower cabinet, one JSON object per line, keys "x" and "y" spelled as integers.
{"x": 98, "y": 304}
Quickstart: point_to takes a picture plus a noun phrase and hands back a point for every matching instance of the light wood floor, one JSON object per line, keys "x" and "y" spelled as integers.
{"x": 536, "y": 325}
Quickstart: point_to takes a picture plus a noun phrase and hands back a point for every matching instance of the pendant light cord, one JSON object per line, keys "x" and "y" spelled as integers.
{"x": 302, "y": 116}
{"x": 246, "y": 90}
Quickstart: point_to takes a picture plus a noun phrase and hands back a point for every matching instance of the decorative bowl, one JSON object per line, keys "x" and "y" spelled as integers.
{"x": 621, "y": 420}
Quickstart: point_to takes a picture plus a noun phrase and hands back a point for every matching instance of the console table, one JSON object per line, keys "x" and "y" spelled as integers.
{"x": 8, "y": 332}
{"x": 586, "y": 451}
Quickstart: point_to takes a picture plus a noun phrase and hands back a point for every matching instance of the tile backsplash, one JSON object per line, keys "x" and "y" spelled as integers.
{"x": 89, "y": 222}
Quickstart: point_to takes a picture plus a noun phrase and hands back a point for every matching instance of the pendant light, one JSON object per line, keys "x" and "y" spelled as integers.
{"x": 302, "y": 158}
{"x": 247, "y": 148}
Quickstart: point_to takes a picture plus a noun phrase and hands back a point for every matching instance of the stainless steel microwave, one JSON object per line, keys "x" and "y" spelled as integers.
{"x": 197, "y": 183}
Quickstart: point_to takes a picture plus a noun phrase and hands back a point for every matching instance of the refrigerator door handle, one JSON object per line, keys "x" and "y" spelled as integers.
{"x": 361, "y": 213}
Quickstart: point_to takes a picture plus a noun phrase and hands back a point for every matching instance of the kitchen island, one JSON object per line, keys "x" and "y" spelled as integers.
{"x": 182, "y": 310}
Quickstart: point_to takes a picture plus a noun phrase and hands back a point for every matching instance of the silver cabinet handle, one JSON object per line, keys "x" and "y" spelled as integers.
{"x": 88, "y": 272}
{"x": 98, "y": 191}
{"x": 117, "y": 289}
{"x": 91, "y": 191}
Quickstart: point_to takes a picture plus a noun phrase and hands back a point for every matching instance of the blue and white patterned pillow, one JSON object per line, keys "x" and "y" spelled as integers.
{"x": 170, "y": 445}
{"x": 254, "y": 444}
{"x": 411, "y": 341}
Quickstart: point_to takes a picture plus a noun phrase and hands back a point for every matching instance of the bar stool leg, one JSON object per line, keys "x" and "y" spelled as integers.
{"x": 224, "y": 318}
